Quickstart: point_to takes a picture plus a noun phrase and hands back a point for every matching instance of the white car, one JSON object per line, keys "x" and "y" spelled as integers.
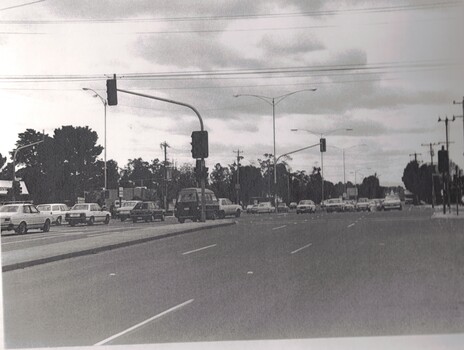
{"x": 265, "y": 207}
{"x": 306, "y": 206}
{"x": 23, "y": 217}
{"x": 392, "y": 202}
{"x": 56, "y": 210}
{"x": 226, "y": 207}
{"x": 123, "y": 212}
{"x": 87, "y": 213}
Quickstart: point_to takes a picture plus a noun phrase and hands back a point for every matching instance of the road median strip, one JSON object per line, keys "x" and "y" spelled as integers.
{"x": 12, "y": 260}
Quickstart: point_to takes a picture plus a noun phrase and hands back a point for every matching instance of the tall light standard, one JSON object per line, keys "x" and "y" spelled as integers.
{"x": 356, "y": 171}
{"x": 273, "y": 101}
{"x": 321, "y": 136}
{"x": 460, "y": 116}
{"x": 105, "y": 103}
{"x": 343, "y": 150}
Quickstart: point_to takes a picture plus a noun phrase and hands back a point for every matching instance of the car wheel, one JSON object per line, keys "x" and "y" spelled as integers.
{"x": 123, "y": 219}
{"x": 107, "y": 220}
{"x": 91, "y": 221}
{"x": 22, "y": 228}
{"x": 237, "y": 214}
{"x": 222, "y": 215}
{"x": 72, "y": 224}
{"x": 46, "y": 226}
{"x": 214, "y": 216}
{"x": 181, "y": 220}
{"x": 59, "y": 220}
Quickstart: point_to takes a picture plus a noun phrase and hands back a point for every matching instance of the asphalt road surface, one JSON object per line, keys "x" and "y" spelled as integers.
{"x": 280, "y": 276}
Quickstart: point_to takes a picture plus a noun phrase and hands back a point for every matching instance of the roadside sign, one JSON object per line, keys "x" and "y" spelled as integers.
{"x": 121, "y": 192}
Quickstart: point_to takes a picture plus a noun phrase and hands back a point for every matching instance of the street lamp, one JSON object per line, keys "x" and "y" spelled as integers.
{"x": 105, "y": 103}
{"x": 273, "y": 101}
{"x": 321, "y": 135}
{"x": 355, "y": 179}
{"x": 343, "y": 150}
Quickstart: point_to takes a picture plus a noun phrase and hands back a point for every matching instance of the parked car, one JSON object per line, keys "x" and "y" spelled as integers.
{"x": 147, "y": 211}
{"x": 249, "y": 208}
{"x": 392, "y": 202}
{"x": 375, "y": 204}
{"x": 87, "y": 213}
{"x": 362, "y": 204}
{"x": 265, "y": 207}
{"x": 282, "y": 208}
{"x": 123, "y": 212}
{"x": 188, "y": 205}
{"x": 23, "y": 217}
{"x": 227, "y": 208}
{"x": 306, "y": 206}
{"x": 56, "y": 210}
{"x": 334, "y": 204}
{"x": 293, "y": 205}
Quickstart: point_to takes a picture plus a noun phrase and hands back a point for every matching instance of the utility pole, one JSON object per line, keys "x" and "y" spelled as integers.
{"x": 460, "y": 116}
{"x": 237, "y": 185}
{"x": 415, "y": 156}
{"x": 165, "y": 196}
{"x": 447, "y": 175}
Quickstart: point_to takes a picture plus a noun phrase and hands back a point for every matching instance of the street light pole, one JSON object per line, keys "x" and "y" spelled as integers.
{"x": 105, "y": 103}
{"x": 462, "y": 116}
{"x": 273, "y": 101}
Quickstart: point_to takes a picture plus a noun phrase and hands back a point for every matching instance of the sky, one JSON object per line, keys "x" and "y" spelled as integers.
{"x": 387, "y": 70}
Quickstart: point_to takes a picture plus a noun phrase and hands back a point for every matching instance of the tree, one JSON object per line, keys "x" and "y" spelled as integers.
{"x": 2, "y": 161}
{"x": 221, "y": 181}
{"x": 411, "y": 178}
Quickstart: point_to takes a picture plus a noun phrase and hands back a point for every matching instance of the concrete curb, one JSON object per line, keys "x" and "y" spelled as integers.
{"x": 24, "y": 264}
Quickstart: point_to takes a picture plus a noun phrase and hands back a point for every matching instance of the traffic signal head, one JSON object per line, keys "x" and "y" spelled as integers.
{"x": 199, "y": 144}
{"x": 443, "y": 161}
{"x": 111, "y": 92}
{"x": 323, "y": 145}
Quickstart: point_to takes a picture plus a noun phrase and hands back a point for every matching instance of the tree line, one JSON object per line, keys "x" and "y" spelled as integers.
{"x": 66, "y": 165}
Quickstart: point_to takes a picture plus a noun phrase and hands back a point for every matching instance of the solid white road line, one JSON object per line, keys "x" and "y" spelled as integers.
{"x": 299, "y": 249}
{"x": 33, "y": 239}
{"x": 276, "y": 228}
{"x": 143, "y": 323}
{"x": 351, "y": 225}
{"x": 197, "y": 250}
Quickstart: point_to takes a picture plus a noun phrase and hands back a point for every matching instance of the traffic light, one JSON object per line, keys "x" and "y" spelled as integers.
{"x": 111, "y": 92}
{"x": 443, "y": 161}
{"x": 323, "y": 145}
{"x": 199, "y": 144}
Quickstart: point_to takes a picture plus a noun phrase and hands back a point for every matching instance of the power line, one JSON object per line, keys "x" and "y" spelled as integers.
{"x": 21, "y": 5}
{"x": 381, "y": 9}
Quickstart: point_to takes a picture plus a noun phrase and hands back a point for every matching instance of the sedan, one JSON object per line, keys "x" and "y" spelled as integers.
{"x": 265, "y": 207}
{"x": 306, "y": 206}
{"x": 87, "y": 213}
{"x": 22, "y": 217}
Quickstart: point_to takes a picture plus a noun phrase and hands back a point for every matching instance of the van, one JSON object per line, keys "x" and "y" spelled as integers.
{"x": 188, "y": 205}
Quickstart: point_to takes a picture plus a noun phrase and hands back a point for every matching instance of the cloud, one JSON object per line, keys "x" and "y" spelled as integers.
{"x": 295, "y": 45}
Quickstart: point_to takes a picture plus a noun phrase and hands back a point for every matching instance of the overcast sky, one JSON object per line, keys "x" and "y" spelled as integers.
{"x": 386, "y": 69}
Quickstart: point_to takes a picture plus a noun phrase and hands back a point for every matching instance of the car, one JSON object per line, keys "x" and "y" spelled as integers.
{"x": 57, "y": 211}
{"x": 249, "y": 208}
{"x": 306, "y": 206}
{"x": 87, "y": 213}
{"x": 123, "y": 212}
{"x": 22, "y": 217}
{"x": 293, "y": 205}
{"x": 147, "y": 211}
{"x": 334, "y": 204}
{"x": 349, "y": 206}
{"x": 282, "y": 208}
{"x": 188, "y": 205}
{"x": 375, "y": 204}
{"x": 392, "y": 202}
{"x": 265, "y": 207}
{"x": 227, "y": 208}
{"x": 362, "y": 204}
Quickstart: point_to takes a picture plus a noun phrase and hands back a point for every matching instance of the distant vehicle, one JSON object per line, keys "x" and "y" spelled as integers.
{"x": 375, "y": 204}
{"x": 265, "y": 207}
{"x": 123, "y": 212}
{"x": 334, "y": 204}
{"x": 227, "y": 208}
{"x": 392, "y": 202}
{"x": 87, "y": 213}
{"x": 23, "y": 217}
{"x": 362, "y": 204}
{"x": 147, "y": 211}
{"x": 293, "y": 205}
{"x": 249, "y": 207}
{"x": 56, "y": 210}
{"x": 306, "y": 206}
{"x": 349, "y": 206}
{"x": 188, "y": 205}
{"x": 282, "y": 208}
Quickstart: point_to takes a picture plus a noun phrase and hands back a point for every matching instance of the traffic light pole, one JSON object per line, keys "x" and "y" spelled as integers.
{"x": 203, "y": 180}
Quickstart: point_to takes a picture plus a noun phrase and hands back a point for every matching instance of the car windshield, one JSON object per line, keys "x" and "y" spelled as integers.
{"x": 306, "y": 202}
{"x": 187, "y": 197}
{"x": 129, "y": 204}
{"x": 334, "y": 200}
{"x": 9, "y": 209}
{"x": 80, "y": 207}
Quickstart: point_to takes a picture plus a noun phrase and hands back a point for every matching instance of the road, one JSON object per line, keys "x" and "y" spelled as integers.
{"x": 280, "y": 276}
